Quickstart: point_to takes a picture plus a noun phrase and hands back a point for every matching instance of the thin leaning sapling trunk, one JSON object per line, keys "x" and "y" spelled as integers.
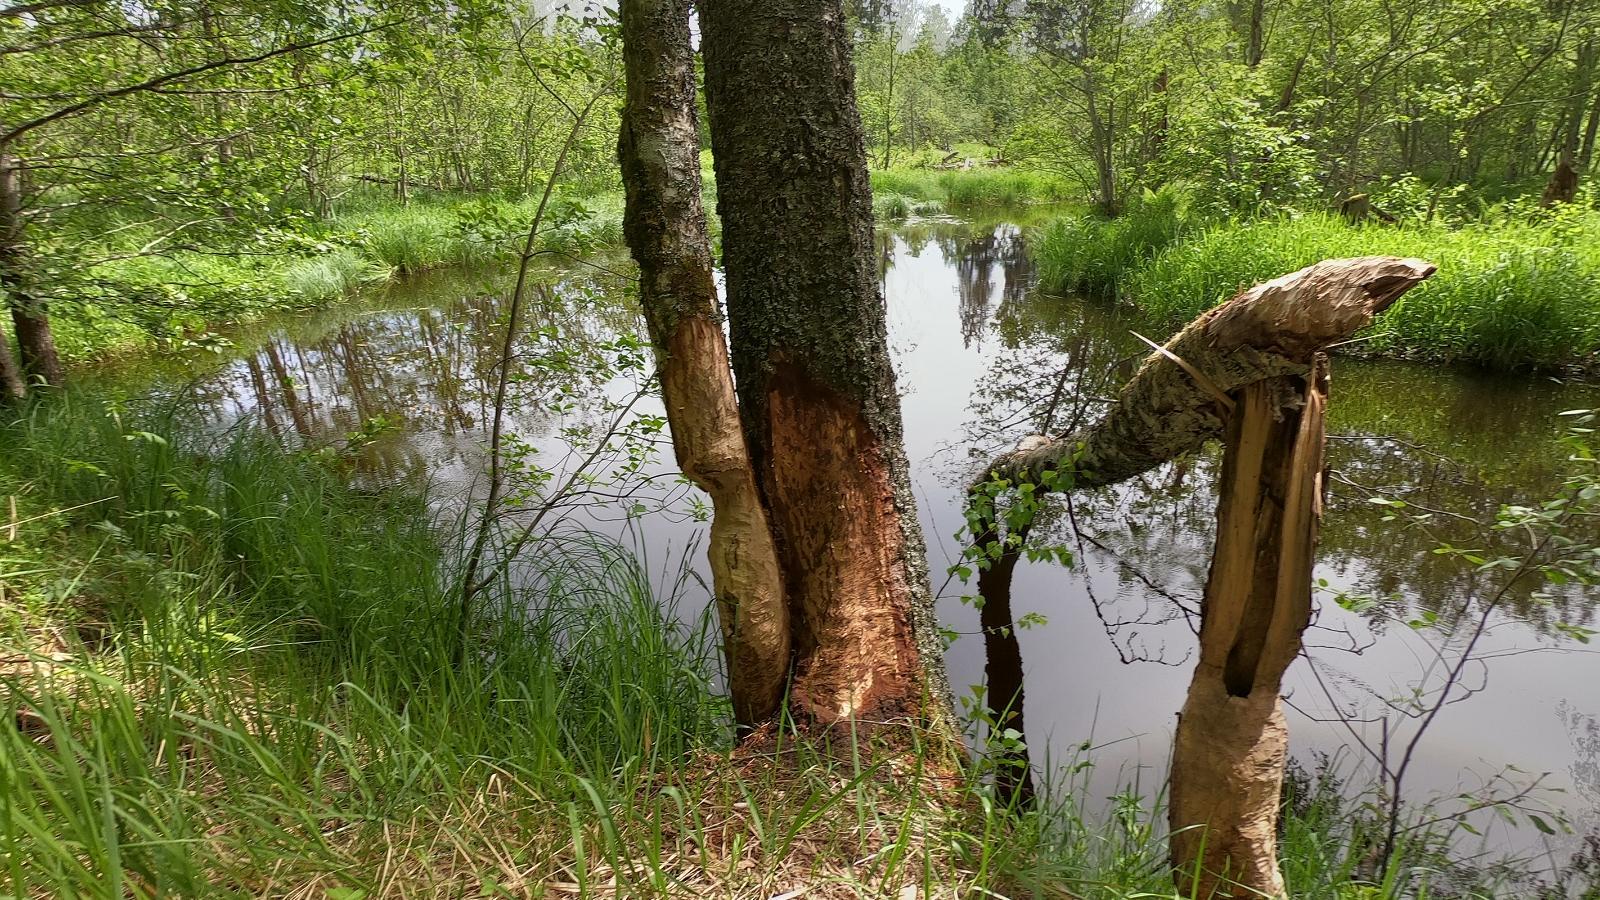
{"x": 665, "y": 226}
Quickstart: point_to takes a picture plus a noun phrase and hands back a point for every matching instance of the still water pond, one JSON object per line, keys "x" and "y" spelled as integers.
{"x": 984, "y": 358}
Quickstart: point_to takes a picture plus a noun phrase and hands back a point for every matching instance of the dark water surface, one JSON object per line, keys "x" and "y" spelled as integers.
{"x": 984, "y": 359}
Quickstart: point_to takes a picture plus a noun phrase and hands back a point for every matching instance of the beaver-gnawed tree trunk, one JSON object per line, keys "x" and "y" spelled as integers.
{"x": 1232, "y": 742}
{"x": 1251, "y": 369}
{"x": 35, "y": 344}
{"x": 817, "y": 394}
{"x": 665, "y": 225}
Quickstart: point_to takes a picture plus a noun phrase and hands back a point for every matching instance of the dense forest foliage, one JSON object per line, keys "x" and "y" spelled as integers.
{"x": 184, "y": 162}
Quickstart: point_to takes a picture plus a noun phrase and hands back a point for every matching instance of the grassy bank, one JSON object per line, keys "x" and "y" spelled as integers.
{"x": 230, "y": 669}
{"x": 149, "y": 301}
{"x": 1510, "y": 293}
{"x": 228, "y": 665}
{"x": 902, "y": 191}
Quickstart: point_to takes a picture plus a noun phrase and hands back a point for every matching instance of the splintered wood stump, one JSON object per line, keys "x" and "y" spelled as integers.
{"x": 1232, "y": 743}
{"x": 1253, "y": 372}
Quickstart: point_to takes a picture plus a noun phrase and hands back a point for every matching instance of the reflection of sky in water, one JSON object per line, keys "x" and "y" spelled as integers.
{"x": 978, "y": 355}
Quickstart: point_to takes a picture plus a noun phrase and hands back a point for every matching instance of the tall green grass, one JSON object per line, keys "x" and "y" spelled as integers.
{"x": 973, "y": 187}
{"x": 1089, "y": 253}
{"x": 1507, "y": 295}
{"x": 331, "y": 276}
{"x": 272, "y": 691}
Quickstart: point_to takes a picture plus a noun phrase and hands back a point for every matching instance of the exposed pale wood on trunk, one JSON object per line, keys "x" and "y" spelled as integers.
{"x": 665, "y": 225}
{"x": 809, "y": 346}
{"x": 1232, "y": 742}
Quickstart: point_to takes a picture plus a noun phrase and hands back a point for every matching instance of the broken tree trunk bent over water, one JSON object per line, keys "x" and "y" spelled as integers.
{"x": 1252, "y": 371}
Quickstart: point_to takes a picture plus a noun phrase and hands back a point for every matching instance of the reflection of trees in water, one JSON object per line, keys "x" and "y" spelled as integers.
{"x": 1584, "y": 730}
{"x": 416, "y": 379}
{"x": 975, "y": 258}
{"x": 982, "y": 255}
{"x": 1060, "y": 355}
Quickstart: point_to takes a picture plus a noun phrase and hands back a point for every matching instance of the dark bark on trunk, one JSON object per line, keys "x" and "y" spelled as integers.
{"x": 816, "y": 389}
{"x": 1286, "y": 99}
{"x": 1255, "y": 47}
{"x": 35, "y": 345}
{"x": 1563, "y": 184}
{"x": 1158, "y": 141}
{"x": 888, "y": 100}
{"x": 1232, "y": 742}
{"x": 665, "y": 225}
{"x": 1586, "y": 154}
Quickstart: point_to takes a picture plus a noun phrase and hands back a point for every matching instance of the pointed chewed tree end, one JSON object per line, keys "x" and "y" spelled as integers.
{"x": 1305, "y": 311}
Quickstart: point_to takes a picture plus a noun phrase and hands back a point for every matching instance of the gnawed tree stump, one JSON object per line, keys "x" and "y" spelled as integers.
{"x": 1253, "y": 370}
{"x": 1232, "y": 742}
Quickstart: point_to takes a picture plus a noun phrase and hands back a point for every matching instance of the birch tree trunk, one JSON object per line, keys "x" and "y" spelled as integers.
{"x": 665, "y": 225}
{"x": 817, "y": 393}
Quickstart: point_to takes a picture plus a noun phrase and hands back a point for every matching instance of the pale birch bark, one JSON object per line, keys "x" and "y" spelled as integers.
{"x": 665, "y": 226}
